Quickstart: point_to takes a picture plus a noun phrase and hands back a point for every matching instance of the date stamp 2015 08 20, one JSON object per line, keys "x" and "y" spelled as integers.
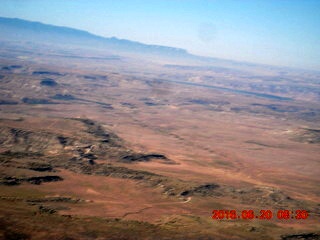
{"x": 261, "y": 215}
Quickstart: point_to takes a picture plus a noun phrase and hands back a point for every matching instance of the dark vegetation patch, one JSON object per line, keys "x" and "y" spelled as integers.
{"x": 129, "y": 105}
{"x": 307, "y": 135}
{"x": 279, "y": 108}
{"x": 64, "y": 97}
{"x": 69, "y": 97}
{"x": 241, "y": 109}
{"x": 310, "y": 114}
{"x": 8, "y": 102}
{"x": 37, "y": 101}
{"x": 89, "y": 156}
{"x": 11, "y": 67}
{"x": 15, "y": 66}
{"x": 95, "y": 77}
{"x": 55, "y": 199}
{"x": 63, "y": 140}
{"x": 46, "y": 209}
{"x": 104, "y": 105}
{"x": 47, "y": 73}
{"x": 48, "y": 82}
{"x": 10, "y": 181}
{"x": 31, "y": 163}
{"x": 139, "y": 157}
{"x": 97, "y": 130}
{"x": 123, "y": 172}
{"x": 208, "y": 102}
{"x": 202, "y": 190}
{"x": 261, "y": 144}
{"x": 41, "y": 179}
{"x": 258, "y": 109}
{"x": 89, "y": 77}
{"x": 40, "y": 167}
{"x": 151, "y": 103}
{"x": 302, "y": 236}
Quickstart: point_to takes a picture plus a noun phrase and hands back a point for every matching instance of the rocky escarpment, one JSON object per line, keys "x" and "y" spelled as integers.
{"x": 98, "y": 144}
{"x": 28, "y": 155}
{"x": 36, "y": 156}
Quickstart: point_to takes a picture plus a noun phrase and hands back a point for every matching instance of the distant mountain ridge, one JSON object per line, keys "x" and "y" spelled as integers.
{"x": 23, "y": 30}
{"x": 15, "y": 29}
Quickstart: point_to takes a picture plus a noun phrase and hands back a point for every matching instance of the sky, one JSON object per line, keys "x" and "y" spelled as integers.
{"x": 275, "y": 32}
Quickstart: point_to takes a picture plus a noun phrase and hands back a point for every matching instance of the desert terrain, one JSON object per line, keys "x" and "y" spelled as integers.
{"x": 95, "y": 145}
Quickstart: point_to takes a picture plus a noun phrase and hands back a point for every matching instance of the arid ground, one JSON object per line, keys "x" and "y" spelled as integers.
{"x": 98, "y": 146}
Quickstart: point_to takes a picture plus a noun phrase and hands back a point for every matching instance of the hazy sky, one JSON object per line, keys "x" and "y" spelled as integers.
{"x": 277, "y": 32}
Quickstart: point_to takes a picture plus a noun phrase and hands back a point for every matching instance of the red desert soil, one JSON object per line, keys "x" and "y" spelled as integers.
{"x": 114, "y": 197}
{"x": 128, "y": 199}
